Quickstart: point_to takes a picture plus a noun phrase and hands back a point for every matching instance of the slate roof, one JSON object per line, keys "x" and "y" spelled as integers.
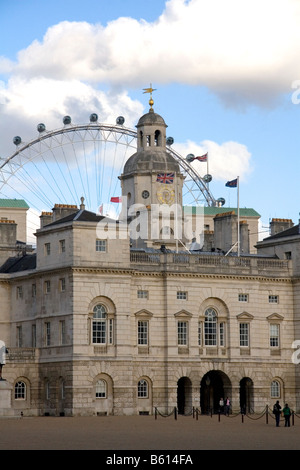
{"x": 289, "y": 232}
{"x": 19, "y": 263}
{"x": 81, "y": 216}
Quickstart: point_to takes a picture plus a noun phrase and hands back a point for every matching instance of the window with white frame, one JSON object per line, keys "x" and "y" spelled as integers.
{"x": 199, "y": 334}
{"x": 101, "y": 388}
{"x": 62, "y": 246}
{"x": 274, "y": 335}
{"x": 47, "y": 287}
{"x": 62, "y": 332}
{"x": 244, "y": 334}
{"x": 20, "y": 391}
{"x": 19, "y": 292}
{"x": 142, "y": 294}
{"x": 143, "y": 332}
{"x": 275, "y": 389}
{"x": 62, "y": 284}
{"x": 210, "y": 327}
{"x": 142, "y": 388}
{"x": 182, "y": 333}
{"x": 101, "y": 245}
{"x": 102, "y": 326}
{"x": 19, "y": 336}
{"x": 222, "y": 333}
{"x": 47, "y": 333}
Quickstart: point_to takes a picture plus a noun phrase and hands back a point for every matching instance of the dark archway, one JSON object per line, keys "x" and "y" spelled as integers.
{"x": 184, "y": 395}
{"x": 246, "y": 395}
{"x": 214, "y": 386}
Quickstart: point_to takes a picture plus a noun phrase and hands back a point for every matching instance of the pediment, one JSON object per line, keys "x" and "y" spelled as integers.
{"x": 183, "y": 314}
{"x": 245, "y": 316}
{"x": 275, "y": 317}
{"x": 143, "y": 313}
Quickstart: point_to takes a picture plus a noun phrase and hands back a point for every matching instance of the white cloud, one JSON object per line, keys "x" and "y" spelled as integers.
{"x": 225, "y": 161}
{"x": 242, "y": 50}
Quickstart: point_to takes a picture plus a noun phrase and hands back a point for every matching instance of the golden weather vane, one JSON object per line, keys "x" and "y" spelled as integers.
{"x": 150, "y": 90}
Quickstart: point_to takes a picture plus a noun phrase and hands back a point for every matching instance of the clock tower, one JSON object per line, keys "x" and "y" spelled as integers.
{"x": 152, "y": 186}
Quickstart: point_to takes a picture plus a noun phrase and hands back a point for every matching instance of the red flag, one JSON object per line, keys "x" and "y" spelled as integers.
{"x": 101, "y": 209}
{"x": 116, "y": 199}
{"x": 203, "y": 158}
{"x": 232, "y": 183}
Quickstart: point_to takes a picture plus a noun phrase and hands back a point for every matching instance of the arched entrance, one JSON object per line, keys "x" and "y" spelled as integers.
{"x": 184, "y": 395}
{"x": 214, "y": 385}
{"x": 246, "y": 395}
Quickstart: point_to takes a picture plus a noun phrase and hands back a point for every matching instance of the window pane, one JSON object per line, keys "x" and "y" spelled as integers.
{"x": 274, "y": 336}
{"x": 20, "y": 390}
{"x": 275, "y": 389}
{"x": 244, "y": 334}
{"x": 142, "y": 389}
{"x": 101, "y": 389}
{"x": 182, "y": 333}
{"x": 142, "y": 332}
{"x": 210, "y": 327}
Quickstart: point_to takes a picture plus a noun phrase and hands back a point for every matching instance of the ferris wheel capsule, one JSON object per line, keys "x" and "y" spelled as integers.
{"x": 94, "y": 117}
{"x": 190, "y": 157}
{"x": 41, "y": 127}
{"x": 17, "y": 140}
{"x": 170, "y": 141}
{"x": 120, "y": 120}
{"x": 67, "y": 120}
{"x": 207, "y": 178}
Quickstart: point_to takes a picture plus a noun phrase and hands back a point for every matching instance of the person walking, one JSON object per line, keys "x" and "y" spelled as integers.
{"x": 287, "y": 414}
{"x": 227, "y": 406}
{"x": 277, "y": 412}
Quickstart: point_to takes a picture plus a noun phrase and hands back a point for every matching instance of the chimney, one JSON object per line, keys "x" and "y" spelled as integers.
{"x": 278, "y": 225}
{"x": 62, "y": 210}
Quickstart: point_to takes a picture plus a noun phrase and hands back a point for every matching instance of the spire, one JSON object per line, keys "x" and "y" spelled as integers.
{"x": 151, "y": 102}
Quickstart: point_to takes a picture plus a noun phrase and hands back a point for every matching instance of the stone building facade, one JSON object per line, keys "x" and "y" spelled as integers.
{"x": 97, "y": 321}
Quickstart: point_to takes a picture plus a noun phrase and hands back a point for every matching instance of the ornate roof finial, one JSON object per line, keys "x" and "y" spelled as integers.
{"x": 150, "y": 90}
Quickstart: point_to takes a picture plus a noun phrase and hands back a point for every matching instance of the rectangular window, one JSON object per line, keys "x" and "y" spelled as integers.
{"x": 101, "y": 245}
{"x": 243, "y": 297}
{"x": 244, "y": 334}
{"x": 47, "y": 287}
{"x": 62, "y": 284}
{"x": 47, "y": 249}
{"x": 33, "y": 290}
{"x": 182, "y": 333}
{"x": 199, "y": 334}
{"x": 111, "y": 331}
{"x": 142, "y": 333}
{"x": 62, "y": 332}
{"x": 47, "y": 334}
{"x": 19, "y": 292}
{"x": 273, "y": 299}
{"x": 101, "y": 389}
{"x": 62, "y": 246}
{"x": 99, "y": 332}
{"x": 33, "y": 336}
{"x": 142, "y": 294}
{"x": 222, "y": 334}
{"x": 181, "y": 295}
{"x": 19, "y": 337}
{"x": 274, "y": 336}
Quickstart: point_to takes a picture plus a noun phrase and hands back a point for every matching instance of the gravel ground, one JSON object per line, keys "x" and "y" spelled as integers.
{"x": 134, "y": 433}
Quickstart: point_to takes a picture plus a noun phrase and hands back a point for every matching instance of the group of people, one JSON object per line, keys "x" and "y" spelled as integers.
{"x": 286, "y": 411}
{"x": 224, "y": 406}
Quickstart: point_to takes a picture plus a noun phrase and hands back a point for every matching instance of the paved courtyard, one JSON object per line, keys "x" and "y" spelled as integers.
{"x": 147, "y": 433}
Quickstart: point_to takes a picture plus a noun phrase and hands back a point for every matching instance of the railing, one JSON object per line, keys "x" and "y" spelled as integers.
{"x": 211, "y": 261}
{"x": 22, "y": 354}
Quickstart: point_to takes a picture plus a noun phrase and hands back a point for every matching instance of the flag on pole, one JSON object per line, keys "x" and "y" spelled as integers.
{"x": 166, "y": 178}
{"x": 116, "y": 199}
{"x": 232, "y": 183}
{"x": 203, "y": 158}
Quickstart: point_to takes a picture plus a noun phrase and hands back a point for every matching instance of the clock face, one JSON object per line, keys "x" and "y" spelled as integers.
{"x": 145, "y": 194}
{"x": 165, "y": 195}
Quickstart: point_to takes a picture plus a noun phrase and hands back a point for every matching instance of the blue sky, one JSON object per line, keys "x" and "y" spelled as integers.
{"x": 227, "y": 76}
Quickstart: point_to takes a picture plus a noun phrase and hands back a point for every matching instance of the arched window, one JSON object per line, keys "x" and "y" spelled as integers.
{"x": 99, "y": 325}
{"x": 143, "y": 389}
{"x": 101, "y": 389}
{"x": 20, "y": 391}
{"x": 157, "y": 138}
{"x": 275, "y": 389}
{"x": 210, "y": 327}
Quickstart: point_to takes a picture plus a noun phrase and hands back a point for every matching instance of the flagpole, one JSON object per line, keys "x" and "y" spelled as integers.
{"x": 238, "y": 210}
